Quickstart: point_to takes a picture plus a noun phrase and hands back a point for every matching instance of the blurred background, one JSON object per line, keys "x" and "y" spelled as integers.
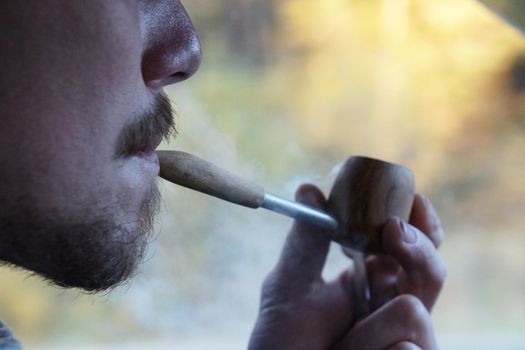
{"x": 288, "y": 89}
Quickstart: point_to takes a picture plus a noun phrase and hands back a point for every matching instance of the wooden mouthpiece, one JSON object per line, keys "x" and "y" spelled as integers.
{"x": 193, "y": 172}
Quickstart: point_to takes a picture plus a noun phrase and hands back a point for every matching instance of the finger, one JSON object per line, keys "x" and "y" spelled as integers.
{"x": 404, "y": 346}
{"x": 404, "y": 319}
{"x": 360, "y": 287}
{"x": 424, "y": 268}
{"x": 382, "y": 271}
{"x": 306, "y": 247}
{"x": 426, "y": 219}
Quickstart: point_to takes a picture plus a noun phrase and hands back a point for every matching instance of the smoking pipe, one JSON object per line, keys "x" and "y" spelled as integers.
{"x": 365, "y": 194}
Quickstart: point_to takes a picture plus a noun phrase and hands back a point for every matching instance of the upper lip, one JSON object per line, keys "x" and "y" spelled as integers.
{"x": 152, "y": 146}
{"x": 145, "y": 133}
{"x": 149, "y": 145}
{"x": 135, "y": 140}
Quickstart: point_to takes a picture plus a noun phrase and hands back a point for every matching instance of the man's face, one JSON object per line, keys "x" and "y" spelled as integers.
{"x": 82, "y": 110}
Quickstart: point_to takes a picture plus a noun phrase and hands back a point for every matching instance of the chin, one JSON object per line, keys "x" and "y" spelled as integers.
{"x": 98, "y": 253}
{"x": 135, "y": 177}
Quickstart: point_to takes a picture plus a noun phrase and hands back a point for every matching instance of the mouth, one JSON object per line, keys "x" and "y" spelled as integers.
{"x": 146, "y": 149}
{"x": 148, "y": 156}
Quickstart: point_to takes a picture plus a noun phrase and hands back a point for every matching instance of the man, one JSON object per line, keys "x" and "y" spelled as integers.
{"x": 82, "y": 111}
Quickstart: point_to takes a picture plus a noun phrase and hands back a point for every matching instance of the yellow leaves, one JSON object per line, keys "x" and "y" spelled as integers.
{"x": 391, "y": 78}
{"x": 316, "y": 24}
{"x": 23, "y": 306}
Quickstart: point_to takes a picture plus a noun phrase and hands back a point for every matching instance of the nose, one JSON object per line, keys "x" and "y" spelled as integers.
{"x": 172, "y": 51}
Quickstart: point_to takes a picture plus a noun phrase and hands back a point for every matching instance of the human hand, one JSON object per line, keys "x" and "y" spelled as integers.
{"x": 411, "y": 264}
{"x": 404, "y": 285}
{"x": 299, "y": 310}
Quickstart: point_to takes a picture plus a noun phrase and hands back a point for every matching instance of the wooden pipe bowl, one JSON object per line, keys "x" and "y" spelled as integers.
{"x": 366, "y": 193}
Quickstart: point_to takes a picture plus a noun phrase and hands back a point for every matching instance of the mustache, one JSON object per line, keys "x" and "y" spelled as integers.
{"x": 147, "y": 130}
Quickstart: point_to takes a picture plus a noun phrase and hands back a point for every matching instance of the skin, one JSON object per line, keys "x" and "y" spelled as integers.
{"x": 82, "y": 111}
{"x": 300, "y": 310}
{"x": 74, "y": 75}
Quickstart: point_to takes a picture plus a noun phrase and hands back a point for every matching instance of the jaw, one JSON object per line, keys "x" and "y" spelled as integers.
{"x": 96, "y": 254}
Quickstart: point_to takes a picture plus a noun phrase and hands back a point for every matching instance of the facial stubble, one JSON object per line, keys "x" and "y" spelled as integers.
{"x": 103, "y": 249}
{"x": 92, "y": 255}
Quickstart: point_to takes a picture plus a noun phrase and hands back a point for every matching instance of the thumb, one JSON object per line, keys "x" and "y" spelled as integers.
{"x": 306, "y": 247}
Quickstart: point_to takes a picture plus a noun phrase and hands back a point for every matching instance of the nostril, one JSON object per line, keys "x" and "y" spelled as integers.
{"x": 162, "y": 67}
{"x": 175, "y": 78}
{"x": 178, "y": 77}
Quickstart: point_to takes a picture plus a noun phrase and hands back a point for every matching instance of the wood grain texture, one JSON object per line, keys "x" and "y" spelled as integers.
{"x": 366, "y": 193}
{"x": 193, "y": 172}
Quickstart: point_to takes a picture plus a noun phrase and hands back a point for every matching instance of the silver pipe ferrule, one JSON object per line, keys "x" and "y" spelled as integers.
{"x": 299, "y": 211}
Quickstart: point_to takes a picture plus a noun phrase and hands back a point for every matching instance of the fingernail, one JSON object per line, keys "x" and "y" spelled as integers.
{"x": 307, "y": 195}
{"x": 310, "y": 197}
{"x": 408, "y": 234}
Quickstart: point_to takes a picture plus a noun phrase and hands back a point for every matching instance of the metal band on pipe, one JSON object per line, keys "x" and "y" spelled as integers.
{"x": 299, "y": 211}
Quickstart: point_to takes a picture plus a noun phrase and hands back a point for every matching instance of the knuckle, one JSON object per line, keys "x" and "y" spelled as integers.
{"x": 415, "y": 317}
{"x": 405, "y": 346}
{"x": 272, "y": 287}
{"x": 277, "y": 290}
{"x": 439, "y": 273}
{"x": 409, "y": 305}
{"x": 268, "y": 285}
{"x": 272, "y": 294}
{"x": 268, "y": 282}
{"x": 429, "y": 266}
{"x": 430, "y": 273}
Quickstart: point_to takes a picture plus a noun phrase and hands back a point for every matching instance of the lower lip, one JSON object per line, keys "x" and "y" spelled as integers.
{"x": 149, "y": 156}
{"x": 137, "y": 175}
{"x": 149, "y": 160}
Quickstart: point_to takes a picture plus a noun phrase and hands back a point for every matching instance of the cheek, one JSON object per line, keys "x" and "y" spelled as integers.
{"x": 70, "y": 93}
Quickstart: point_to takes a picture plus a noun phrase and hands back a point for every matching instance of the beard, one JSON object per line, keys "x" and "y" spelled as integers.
{"x": 88, "y": 245}
{"x": 93, "y": 255}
